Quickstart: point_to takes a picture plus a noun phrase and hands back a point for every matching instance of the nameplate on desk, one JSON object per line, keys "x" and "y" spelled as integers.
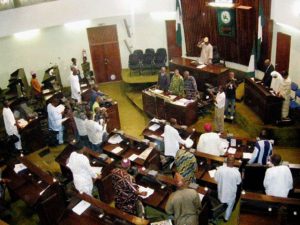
{"x": 117, "y": 150}
{"x": 19, "y": 167}
{"x": 81, "y": 207}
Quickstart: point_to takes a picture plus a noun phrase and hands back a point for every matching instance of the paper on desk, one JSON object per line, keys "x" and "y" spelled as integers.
{"x": 19, "y": 167}
{"x": 133, "y": 157}
{"x": 117, "y": 150}
{"x": 183, "y": 102}
{"x": 212, "y": 173}
{"x": 154, "y": 127}
{"x": 149, "y": 191}
{"x": 115, "y": 139}
{"x": 81, "y": 207}
{"x": 45, "y": 91}
{"x": 172, "y": 97}
{"x": 48, "y": 97}
{"x": 144, "y": 155}
{"x": 233, "y": 142}
{"x": 201, "y": 196}
{"x": 83, "y": 85}
{"x": 247, "y": 155}
{"x": 157, "y": 91}
{"x": 201, "y": 66}
{"x": 224, "y": 144}
{"x": 97, "y": 170}
{"x": 231, "y": 151}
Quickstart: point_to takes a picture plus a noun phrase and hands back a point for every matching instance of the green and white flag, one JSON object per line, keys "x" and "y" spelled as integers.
{"x": 261, "y": 22}
{"x": 178, "y": 23}
{"x": 252, "y": 62}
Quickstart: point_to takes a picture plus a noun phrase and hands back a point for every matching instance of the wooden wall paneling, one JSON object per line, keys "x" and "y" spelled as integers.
{"x": 283, "y": 52}
{"x": 173, "y": 49}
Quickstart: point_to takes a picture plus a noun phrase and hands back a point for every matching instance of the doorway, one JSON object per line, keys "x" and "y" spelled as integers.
{"x": 283, "y": 52}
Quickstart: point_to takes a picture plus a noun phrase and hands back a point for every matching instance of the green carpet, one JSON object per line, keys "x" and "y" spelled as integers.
{"x": 135, "y": 78}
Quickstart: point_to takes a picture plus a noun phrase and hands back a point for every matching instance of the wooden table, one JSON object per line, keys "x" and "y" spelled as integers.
{"x": 160, "y": 106}
{"x": 261, "y": 101}
{"x": 212, "y": 74}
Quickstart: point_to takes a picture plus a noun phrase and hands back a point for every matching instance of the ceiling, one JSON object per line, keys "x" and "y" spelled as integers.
{"x": 11, "y": 4}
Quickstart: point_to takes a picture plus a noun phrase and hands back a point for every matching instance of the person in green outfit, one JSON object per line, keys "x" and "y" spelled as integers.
{"x": 177, "y": 84}
{"x": 86, "y": 67}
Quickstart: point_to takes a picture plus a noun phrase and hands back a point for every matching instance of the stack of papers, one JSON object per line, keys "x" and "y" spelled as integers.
{"x": 247, "y": 155}
{"x": 19, "y": 167}
{"x": 81, "y": 207}
{"x": 149, "y": 191}
{"x": 115, "y": 139}
{"x": 154, "y": 127}
{"x": 157, "y": 91}
{"x": 117, "y": 150}
{"x": 231, "y": 151}
{"x": 212, "y": 173}
{"x": 144, "y": 155}
{"x": 183, "y": 102}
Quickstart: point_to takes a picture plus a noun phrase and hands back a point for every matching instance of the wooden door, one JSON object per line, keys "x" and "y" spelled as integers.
{"x": 173, "y": 49}
{"x": 105, "y": 53}
{"x": 283, "y": 52}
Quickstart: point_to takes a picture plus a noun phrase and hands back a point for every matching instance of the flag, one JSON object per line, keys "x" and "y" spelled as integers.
{"x": 251, "y": 66}
{"x": 261, "y": 22}
{"x": 178, "y": 23}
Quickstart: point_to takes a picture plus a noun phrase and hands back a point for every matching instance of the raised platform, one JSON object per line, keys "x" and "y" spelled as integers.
{"x": 135, "y": 78}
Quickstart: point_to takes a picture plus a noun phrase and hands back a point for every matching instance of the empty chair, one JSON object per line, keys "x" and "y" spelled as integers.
{"x": 294, "y": 104}
{"x": 147, "y": 63}
{"x": 149, "y": 51}
{"x": 159, "y": 61}
{"x": 294, "y": 88}
{"x": 162, "y": 51}
{"x": 134, "y": 63}
{"x": 139, "y": 53}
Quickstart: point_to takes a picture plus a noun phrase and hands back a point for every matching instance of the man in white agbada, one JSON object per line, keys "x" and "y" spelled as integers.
{"x": 172, "y": 139}
{"x": 278, "y": 179}
{"x": 285, "y": 92}
{"x": 55, "y": 111}
{"x": 82, "y": 171}
{"x": 206, "y": 51}
{"x": 75, "y": 85}
{"x": 210, "y": 142}
{"x": 276, "y": 80}
{"x": 10, "y": 124}
{"x": 227, "y": 178}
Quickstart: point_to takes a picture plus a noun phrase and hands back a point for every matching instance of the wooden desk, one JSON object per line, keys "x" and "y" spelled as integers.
{"x": 261, "y": 101}
{"x": 37, "y": 189}
{"x": 160, "y": 106}
{"x": 111, "y": 215}
{"x": 213, "y": 74}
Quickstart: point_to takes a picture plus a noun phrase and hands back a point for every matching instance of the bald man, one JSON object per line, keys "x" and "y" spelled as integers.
{"x": 269, "y": 68}
{"x": 228, "y": 178}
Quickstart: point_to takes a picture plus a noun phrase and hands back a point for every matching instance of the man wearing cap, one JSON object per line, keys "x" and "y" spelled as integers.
{"x": 209, "y": 142}
{"x": 278, "y": 179}
{"x": 35, "y": 84}
{"x": 228, "y": 178}
{"x": 206, "y": 51}
{"x": 126, "y": 191}
{"x": 184, "y": 203}
{"x": 186, "y": 163}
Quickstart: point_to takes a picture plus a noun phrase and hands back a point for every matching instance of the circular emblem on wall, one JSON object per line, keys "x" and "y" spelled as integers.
{"x": 113, "y": 77}
{"x": 225, "y": 17}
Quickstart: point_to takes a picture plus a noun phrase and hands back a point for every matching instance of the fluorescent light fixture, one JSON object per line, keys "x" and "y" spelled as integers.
{"x": 163, "y": 15}
{"x": 27, "y": 34}
{"x": 221, "y": 4}
{"x": 289, "y": 27}
{"x": 78, "y": 24}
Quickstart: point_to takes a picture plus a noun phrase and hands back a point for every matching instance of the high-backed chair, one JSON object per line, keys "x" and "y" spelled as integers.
{"x": 159, "y": 61}
{"x": 147, "y": 63}
{"x": 149, "y": 51}
{"x": 134, "y": 63}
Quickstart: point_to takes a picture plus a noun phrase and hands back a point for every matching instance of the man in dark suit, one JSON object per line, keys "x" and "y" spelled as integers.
{"x": 163, "y": 82}
{"x": 269, "y": 68}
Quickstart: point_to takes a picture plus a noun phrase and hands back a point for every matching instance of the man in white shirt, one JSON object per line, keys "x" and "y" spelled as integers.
{"x": 220, "y": 100}
{"x": 209, "y": 142}
{"x": 55, "y": 120}
{"x": 227, "y": 178}
{"x": 262, "y": 150}
{"x": 278, "y": 179}
{"x": 206, "y": 51}
{"x": 285, "y": 92}
{"x": 11, "y": 124}
{"x": 95, "y": 131}
{"x": 80, "y": 121}
{"x": 172, "y": 139}
{"x": 82, "y": 171}
{"x": 75, "y": 85}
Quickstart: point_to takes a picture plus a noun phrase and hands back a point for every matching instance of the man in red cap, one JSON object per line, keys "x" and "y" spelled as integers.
{"x": 209, "y": 142}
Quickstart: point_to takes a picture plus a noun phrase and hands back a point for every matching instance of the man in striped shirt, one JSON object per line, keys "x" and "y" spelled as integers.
{"x": 262, "y": 150}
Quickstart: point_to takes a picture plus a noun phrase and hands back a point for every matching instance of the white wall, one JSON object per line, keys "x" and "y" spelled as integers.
{"x": 286, "y": 16}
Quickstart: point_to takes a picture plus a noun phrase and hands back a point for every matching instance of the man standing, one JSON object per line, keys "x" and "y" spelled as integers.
{"x": 55, "y": 112}
{"x": 163, "y": 82}
{"x": 278, "y": 179}
{"x": 190, "y": 85}
{"x": 285, "y": 92}
{"x": 80, "y": 121}
{"x": 86, "y": 68}
{"x": 206, "y": 51}
{"x": 220, "y": 99}
{"x": 262, "y": 150}
{"x": 94, "y": 94}
{"x": 227, "y": 178}
{"x": 209, "y": 142}
{"x": 75, "y": 85}
{"x": 11, "y": 124}
{"x": 172, "y": 139}
{"x": 35, "y": 84}
{"x": 82, "y": 171}
{"x": 177, "y": 85}
{"x": 269, "y": 68}
{"x": 184, "y": 204}
{"x": 230, "y": 89}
